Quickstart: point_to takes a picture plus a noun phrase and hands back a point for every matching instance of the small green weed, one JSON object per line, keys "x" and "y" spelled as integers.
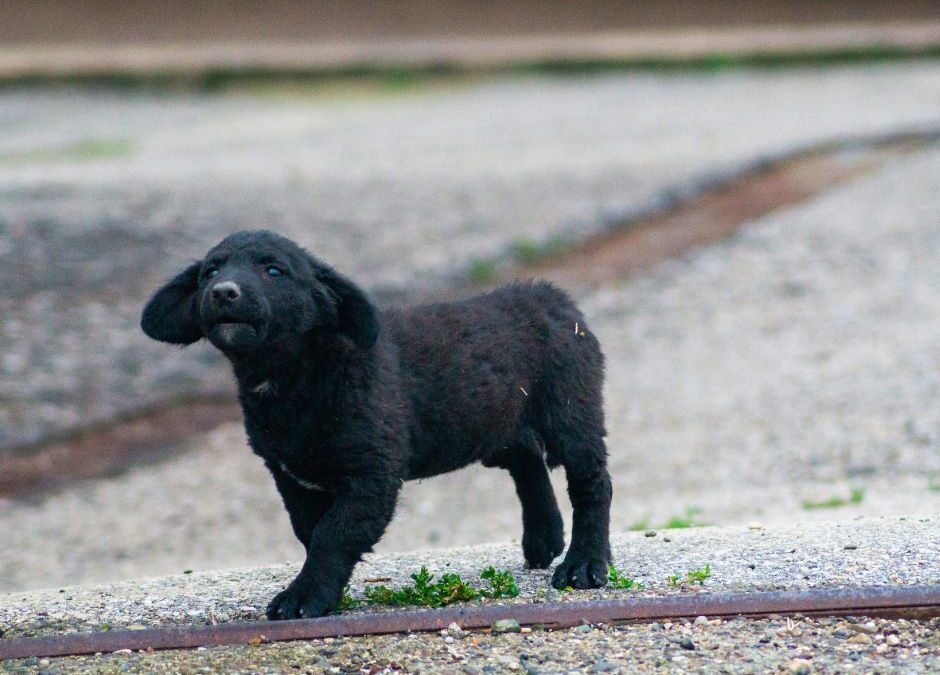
{"x": 84, "y": 150}
{"x": 618, "y": 580}
{"x": 682, "y": 522}
{"x": 482, "y": 271}
{"x": 933, "y": 483}
{"x": 856, "y": 496}
{"x": 692, "y": 577}
{"x": 425, "y": 592}
{"x": 529, "y": 252}
{"x": 526, "y": 251}
{"x": 640, "y": 525}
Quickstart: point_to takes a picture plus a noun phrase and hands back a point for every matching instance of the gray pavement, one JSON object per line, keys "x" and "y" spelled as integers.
{"x": 104, "y": 194}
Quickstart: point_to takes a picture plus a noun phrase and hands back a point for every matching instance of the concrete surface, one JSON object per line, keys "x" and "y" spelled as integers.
{"x": 793, "y": 363}
{"x": 104, "y": 194}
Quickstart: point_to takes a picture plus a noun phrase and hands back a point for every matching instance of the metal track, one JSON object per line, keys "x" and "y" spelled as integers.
{"x": 917, "y": 602}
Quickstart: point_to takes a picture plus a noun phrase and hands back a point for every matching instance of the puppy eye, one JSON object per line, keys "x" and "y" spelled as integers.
{"x": 274, "y": 271}
{"x": 211, "y": 272}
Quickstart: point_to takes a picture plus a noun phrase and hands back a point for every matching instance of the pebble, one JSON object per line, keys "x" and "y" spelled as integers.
{"x": 603, "y": 667}
{"x": 686, "y": 643}
{"x": 700, "y": 621}
{"x": 506, "y": 626}
{"x": 755, "y": 526}
{"x": 799, "y": 667}
{"x": 510, "y": 662}
{"x": 861, "y": 639}
{"x": 454, "y": 630}
{"x": 868, "y": 627}
{"x": 892, "y": 640}
{"x": 584, "y": 628}
{"x": 650, "y": 533}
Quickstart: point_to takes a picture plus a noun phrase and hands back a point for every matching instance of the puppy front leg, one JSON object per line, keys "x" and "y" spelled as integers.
{"x": 351, "y": 527}
{"x": 305, "y": 506}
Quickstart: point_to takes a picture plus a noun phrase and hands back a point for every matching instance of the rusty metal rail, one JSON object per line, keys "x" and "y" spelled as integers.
{"x": 916, "y": 602}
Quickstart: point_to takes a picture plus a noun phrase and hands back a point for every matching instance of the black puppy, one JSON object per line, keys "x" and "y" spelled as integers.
{"x": 344, "y": 403}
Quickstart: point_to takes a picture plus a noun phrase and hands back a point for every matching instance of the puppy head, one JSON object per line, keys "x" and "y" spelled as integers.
{"x": 255, "y": 290}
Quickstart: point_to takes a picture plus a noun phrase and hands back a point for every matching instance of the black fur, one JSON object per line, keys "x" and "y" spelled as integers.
{"x": 345, "y": 403}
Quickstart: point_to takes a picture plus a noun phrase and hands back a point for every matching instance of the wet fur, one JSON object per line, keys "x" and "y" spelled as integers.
{"x": 344, "y": 403}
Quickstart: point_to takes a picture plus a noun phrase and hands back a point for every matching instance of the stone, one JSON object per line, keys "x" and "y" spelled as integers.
{"x": 700, "y": 621}
{"x": 686, "y": 643}
{"x": 506, "y": 626}
{"x": 510, "y": 662}
{"x": 861, "y": 639}
{"x": 868, "y": 627}
{"x": 603, "y": 667}
{"x": 650, "y": 533}
{"x": 799, "y": 667}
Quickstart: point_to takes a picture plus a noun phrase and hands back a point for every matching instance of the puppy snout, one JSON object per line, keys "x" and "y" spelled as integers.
{"x": 225, "y": 293}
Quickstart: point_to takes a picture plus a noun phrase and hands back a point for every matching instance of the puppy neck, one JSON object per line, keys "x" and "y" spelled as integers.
{"x": 278, "y": 372}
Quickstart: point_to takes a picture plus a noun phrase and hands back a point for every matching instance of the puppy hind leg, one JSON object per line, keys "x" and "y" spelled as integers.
{"x": 589, "y": 488}
{"x": 543, "y": 531}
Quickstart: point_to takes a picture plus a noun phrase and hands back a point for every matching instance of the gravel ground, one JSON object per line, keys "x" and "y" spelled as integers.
{"x": 102, "y": 195}
{"x": 861, "y": 552}
{"x": 864, "y": 552}
{"x": 737, "y": 646}
{"x": 805, "y": 349}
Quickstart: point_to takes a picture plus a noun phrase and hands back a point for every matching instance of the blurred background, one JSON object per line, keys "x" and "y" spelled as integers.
{"x": 742, "y": 197}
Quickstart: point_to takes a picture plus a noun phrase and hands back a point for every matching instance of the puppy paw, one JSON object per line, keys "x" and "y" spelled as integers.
{"x": 579, "y": 570}
{"x": 292, "y": 603}
{"x": 541, "y": 547}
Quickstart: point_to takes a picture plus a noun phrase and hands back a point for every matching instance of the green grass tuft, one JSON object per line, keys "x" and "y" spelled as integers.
{"x": 425, "y": 592}
{"x": 85, "y": 150}
{"x": 528, "y": 252}
{"x": 933, "y": 483}
{"x": 692, "y": 577}
{"x": 681, "y": 522}
{"x": 856, "y": 496}
{"x": 482, "y": 271}
{"x": 640, "y": 525}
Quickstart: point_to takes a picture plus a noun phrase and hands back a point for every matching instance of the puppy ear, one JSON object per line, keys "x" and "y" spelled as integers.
{"x": 356, "y": 316}
{"x": 172, "y": 315}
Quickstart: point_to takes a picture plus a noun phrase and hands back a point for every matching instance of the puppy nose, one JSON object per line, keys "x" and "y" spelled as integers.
{"x": 225, "y": 292}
